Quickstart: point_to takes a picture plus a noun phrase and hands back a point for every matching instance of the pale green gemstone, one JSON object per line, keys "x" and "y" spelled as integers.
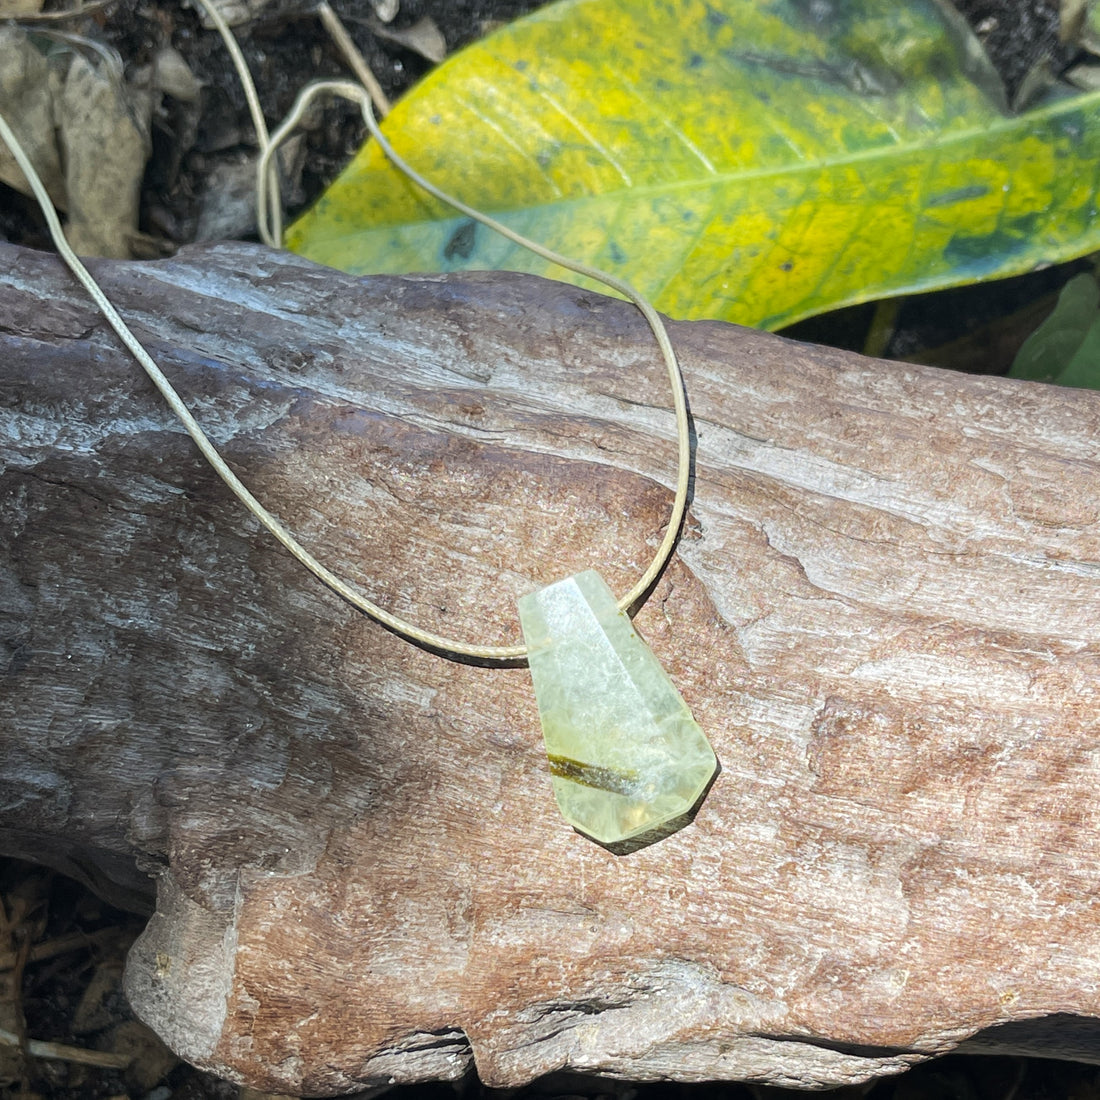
{"x": 625, "y": 754}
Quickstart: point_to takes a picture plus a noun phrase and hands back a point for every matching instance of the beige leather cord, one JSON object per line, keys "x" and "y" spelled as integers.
{"x": 268, "y": 216}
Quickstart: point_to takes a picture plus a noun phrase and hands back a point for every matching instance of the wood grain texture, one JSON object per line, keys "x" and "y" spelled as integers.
{"x": 883, "y": 613}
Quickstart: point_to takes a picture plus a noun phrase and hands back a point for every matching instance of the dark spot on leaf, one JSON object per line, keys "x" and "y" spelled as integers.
{"x": 979, "y": 257}
{"x": 461, "y": 244}
{"x": 616, "y": 254}
{"x": 695, "y": 61}
{"x": 959, "y": 194}
{"x": 786, "y": 265}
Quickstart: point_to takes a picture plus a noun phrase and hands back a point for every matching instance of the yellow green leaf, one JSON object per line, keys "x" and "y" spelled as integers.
{"x": 750, "y": 160}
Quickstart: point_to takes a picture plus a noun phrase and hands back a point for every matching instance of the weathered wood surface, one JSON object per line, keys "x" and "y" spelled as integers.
{"x": 884, "y": 612}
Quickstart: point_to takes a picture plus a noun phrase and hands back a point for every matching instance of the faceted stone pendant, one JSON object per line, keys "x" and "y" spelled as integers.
{"x": 625, "y": 754}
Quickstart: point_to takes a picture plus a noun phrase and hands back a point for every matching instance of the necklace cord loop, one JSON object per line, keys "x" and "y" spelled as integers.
{"x": 269, "y": 219}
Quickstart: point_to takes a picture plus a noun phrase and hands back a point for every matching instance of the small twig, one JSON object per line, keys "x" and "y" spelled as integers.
{"x": 16, "y": 933}
{"x": 60, "y": 1052}
{"x": 354, "y": 58}
{"x": 75, "y": 941}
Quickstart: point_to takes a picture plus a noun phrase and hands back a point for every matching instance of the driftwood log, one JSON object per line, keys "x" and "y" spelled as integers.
{"x": 884, "y": 612}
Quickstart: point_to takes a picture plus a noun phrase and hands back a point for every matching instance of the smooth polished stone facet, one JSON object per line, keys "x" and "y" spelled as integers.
{"x": 625, "y": 754}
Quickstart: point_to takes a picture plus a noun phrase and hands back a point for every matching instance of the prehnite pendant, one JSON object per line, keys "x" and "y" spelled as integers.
{"x": 625, "y": 754}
